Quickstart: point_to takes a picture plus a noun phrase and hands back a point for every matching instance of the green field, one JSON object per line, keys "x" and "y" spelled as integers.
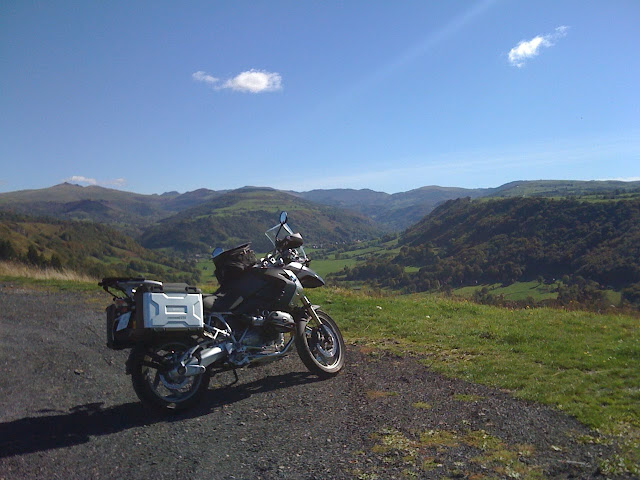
{"x": 515, "y": 291}
{"x": 523, "y": 291}
{"x": 324, "y": 267}
{"x": 325, "y": 262}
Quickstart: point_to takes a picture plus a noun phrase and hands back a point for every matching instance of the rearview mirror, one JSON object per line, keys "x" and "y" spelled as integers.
{"x": 283, "y": 218}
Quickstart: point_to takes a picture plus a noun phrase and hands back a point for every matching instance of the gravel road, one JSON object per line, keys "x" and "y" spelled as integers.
{"x": 68, "y": 411}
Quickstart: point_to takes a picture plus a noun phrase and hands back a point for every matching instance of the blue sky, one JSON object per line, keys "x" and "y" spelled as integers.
{"x": 159, "y": 96}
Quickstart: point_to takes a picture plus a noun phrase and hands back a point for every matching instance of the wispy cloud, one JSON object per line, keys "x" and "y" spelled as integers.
{"x": 527, "y": 49}
{"x": 251, "y": 81}
{"x": 622, "y": 179}
{"x": 201, "y": 76}
{"x": 80, "y": 179}
{"x": 575, "y": 158}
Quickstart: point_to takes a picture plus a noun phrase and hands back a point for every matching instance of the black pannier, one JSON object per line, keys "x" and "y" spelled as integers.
{"x": 126, "y": 337}
{"x": 230, "y": 264}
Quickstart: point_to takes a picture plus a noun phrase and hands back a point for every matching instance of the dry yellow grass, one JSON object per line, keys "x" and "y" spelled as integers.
{"x": 13, "y": 269}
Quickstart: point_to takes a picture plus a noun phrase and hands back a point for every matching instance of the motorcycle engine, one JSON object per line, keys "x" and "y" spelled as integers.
{"x": 255, "y": 331}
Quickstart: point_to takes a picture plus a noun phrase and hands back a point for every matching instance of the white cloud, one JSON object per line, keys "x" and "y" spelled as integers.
{"x": 527, "y": 49}
{"x": 81, "y": 179}
{"x": 201, "y": 76}
{"x": 255, "y": 81}
{"x": 118, "y": 182}
{"x": 252, "y": 81}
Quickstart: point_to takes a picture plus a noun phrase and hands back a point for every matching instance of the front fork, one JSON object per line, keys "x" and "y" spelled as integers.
{"x": 311, "y": 309}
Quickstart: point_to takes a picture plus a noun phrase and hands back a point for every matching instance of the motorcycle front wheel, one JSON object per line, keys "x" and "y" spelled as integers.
{"x": 320, "y": 346}
{"x": 157, "y": 384}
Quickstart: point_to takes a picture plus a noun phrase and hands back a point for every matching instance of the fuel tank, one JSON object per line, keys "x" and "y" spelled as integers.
{"x": 259, "y": 288}
{"x": 308, "y": 278}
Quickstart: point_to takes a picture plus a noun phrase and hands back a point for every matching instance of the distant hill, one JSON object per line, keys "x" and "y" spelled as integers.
{"x": 563, "y": 188}
{"x": 397, "y": 211}
{"x": 245, "y": 214}
{"x": 401, "y": 210}
{"x": 186, "y": 200}
{"x": 132, "y": 212}
{"x": 127, "y": 211}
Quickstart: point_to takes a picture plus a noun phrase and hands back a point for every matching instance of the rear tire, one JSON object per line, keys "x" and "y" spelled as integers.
{"x": 156, "y": 386}
{"x": 321, "y": 347}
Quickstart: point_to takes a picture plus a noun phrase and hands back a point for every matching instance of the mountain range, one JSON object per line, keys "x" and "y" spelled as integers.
{"x": 133, "y": 213}
{"x": 105, "y": 231}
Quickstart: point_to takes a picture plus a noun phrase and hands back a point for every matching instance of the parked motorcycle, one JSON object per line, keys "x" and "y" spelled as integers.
{"x": 180, "y": 338}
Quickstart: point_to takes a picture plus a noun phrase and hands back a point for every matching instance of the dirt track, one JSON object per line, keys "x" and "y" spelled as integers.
{"x": 69, "y": 411}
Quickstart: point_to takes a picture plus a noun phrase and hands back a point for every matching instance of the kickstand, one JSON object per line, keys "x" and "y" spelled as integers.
{"x": 236, "y": 379}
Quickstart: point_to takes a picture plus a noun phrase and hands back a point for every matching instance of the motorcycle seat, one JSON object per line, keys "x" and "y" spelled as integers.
{"x": 208, "y": 301}
{"x": 217, "y": 302}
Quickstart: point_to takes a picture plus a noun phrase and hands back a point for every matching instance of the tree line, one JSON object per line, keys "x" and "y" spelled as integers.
{"x": 466, "y": 242}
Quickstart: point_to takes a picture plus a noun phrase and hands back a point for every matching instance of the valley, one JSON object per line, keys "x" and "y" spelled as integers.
{"x": 577, "y": 240}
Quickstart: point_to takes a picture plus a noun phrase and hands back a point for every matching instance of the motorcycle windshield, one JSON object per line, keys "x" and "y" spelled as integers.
{"x": 280, "y": 231}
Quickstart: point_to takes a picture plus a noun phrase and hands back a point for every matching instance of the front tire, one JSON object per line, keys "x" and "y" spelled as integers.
{"x": 154, "y": 382}
{"x": 321, "y": 347}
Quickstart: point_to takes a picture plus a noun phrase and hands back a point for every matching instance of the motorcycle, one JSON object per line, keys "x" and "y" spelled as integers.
{"x": 180, "y": 338}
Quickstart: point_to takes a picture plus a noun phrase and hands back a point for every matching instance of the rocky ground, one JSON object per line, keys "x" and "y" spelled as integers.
{"x": 68, "y": 411}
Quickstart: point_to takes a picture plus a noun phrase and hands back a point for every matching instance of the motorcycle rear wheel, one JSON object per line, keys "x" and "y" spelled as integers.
{"x": 154, "y": 383}
{"x": 321, "y": 347}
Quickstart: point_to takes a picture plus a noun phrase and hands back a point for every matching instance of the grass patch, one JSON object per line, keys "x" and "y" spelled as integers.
{"x": 417, "y": 455}
{"x": 46, "y": 277}
{"x": 374, "y": 394}
{"x": 583, "y": 363}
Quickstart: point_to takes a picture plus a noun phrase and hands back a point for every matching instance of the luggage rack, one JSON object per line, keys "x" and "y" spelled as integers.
{"x": 127, "y": 285}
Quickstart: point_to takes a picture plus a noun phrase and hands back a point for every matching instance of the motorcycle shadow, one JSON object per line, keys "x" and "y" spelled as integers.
{"x": 80, "y": 423}
{"x": 220, "y": 395}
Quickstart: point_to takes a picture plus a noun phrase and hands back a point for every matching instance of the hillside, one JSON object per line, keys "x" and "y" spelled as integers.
{"x": 466, "y": 242}
{"x": 85, "y": 247}
{"x": 245, "y": 214}
{"x": 597, "y": 240}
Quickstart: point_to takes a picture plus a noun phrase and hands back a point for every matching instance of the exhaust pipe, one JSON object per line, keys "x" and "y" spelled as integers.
{"x": 212, "y": 355}
{"x": 193, "y": 366}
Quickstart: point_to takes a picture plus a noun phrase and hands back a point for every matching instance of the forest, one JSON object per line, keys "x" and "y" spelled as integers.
{"x": 590, "y": 244}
